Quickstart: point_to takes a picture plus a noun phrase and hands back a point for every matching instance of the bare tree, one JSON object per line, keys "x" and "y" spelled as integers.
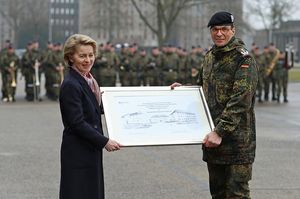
{"x": 164, "y": 14}
{"x": 36, "y": 17}
{"x": 108, "y": 17}
{"x": 272, "y": 12}
{"x": 13, "y": 14}
{"x": 25, "y": 16}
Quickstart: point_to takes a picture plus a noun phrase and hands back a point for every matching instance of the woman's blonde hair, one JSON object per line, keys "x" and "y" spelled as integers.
{"x": 73, "y": 42}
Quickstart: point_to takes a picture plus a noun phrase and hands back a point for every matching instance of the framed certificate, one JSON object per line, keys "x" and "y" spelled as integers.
{"x": 140, "y": 116}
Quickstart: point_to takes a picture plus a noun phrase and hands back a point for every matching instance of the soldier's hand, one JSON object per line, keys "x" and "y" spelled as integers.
{"x": 212, "y": 140}
{"x": 175, "y": 84}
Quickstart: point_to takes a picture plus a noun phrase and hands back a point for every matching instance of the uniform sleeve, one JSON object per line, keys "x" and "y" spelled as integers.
{"x": 241, "y": 100}
{"x": 72, "y": 113}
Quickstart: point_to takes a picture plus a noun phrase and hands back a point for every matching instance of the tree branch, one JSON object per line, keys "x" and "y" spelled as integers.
{"x": 143, "y": 17}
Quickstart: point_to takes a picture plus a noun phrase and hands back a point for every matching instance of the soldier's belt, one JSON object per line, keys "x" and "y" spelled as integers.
{"x": 55, "y": 85}
{"x": 168, "y": 70}
{"x": 29, "y": 85}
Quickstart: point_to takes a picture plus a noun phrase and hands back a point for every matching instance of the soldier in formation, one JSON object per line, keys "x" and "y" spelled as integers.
{"x": 31, "y": 70}
{"x": 9, "y": 63}
{"x": 127, "y": 65}
{"x": 273, "y": 72}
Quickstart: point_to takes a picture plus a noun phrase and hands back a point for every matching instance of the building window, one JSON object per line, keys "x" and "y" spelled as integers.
{"x": 62, "y": 11}
{"x": 67, "y": 33}
{"x": 57, "y": 11}
{"x": 52, "y": 10}
{"x": 67, "y": 11}
{"x": 71, "y": 11}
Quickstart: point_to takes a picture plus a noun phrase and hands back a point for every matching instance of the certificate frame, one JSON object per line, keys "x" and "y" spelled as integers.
{"x": 156, "y": 115}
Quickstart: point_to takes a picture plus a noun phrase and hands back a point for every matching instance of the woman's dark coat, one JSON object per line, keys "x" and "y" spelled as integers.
{"x": 82, "y": 142}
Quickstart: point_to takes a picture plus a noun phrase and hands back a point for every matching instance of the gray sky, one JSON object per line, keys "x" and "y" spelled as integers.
{"x": 255, "y": 21}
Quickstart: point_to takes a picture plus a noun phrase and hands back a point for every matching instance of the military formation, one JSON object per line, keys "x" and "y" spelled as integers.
{"x": 130, "y": 65}
{"x": 31, "y": 65}
{"x": 273, "y": 72}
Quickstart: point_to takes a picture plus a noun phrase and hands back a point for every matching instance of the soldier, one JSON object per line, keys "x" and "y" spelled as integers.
{"x": 277, "y": 74}
{"x": 124, "y": 66}
{"x": 195, "y": 60}
{"x": 274, "y": 56}
{"x": 266, "y": 60}
{"x": 229, "y": 78}
{"x": 98, "y": 63}
{"x": 170, "y": 66}
{"x": 289, "y": 63}
{"x": 47, "y": 62}
{"x": 10, "y": 63}
{"x": 56, "y": 71}
{"x": 2, "y": 53}
{"x": 183, "y": 67}
{"x": 154, "y": 70}
{"x": 109, "y": 62}
{"x": 134, "y": 69}
{"x": 31, "y": 62}
{"x": 144, "y": 68}
{"x": 259, "y": 61}
{"x": 281, "y": 71}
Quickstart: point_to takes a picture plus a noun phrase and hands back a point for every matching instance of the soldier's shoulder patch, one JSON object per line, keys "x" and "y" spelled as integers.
{"x": 246, "y": 62}
{"x": 243, "y": 51}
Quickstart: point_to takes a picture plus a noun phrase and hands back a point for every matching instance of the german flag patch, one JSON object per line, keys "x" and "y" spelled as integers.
{"x": 245, "y": 66}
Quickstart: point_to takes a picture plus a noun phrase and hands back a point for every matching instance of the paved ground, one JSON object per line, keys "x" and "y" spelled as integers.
{"x": 30, "y": 136}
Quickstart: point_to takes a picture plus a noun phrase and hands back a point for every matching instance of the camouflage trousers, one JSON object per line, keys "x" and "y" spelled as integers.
{"x": 229, "y": 181}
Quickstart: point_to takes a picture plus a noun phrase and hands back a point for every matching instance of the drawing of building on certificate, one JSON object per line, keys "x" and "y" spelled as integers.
{"x": 147, "y": 120}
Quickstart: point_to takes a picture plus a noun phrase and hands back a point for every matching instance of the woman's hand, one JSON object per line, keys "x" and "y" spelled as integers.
{"x": 112, "y": 145}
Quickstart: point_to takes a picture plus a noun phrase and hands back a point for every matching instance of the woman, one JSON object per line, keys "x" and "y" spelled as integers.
{"x": 83, "y": 140}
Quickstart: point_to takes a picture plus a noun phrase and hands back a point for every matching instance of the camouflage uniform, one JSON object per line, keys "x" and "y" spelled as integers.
{"x": 47, "y": 63}
{"x": 273, "y": 78}
{"x": 134, "y": 70}
{"x": 97, "y": 66}
{"x": 9, "y": 65}
{"x": 229, "y": 79}
{"x": 32, "y": 84}
{"x": 109, "y": 62}
{"x": 260, "y": 64}
{"x": 143, "y": 64}
{"x": 124, "y": 67}
{"x": 154, "y": 73}
{"x": 265, "y": 61}
{"x": 281, "y": 71}
{"x": 2, "y": 53}
{"x": 183, "y": 68}
{"x": 170, "y": 68}
{"x": 57, "y": 72}
{"x": 195, "y": 62}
